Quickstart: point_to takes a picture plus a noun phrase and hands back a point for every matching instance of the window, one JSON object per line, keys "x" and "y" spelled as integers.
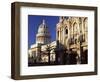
{"x": 80, "y": 24}
{"x": 66, "y": 31}
{"x": 75, "y": 28}
{"x": 58, "y": 34}
{"x": 85, "y": 29}
{"x": 75, "y": 41}
{"x": 85, "y": 24}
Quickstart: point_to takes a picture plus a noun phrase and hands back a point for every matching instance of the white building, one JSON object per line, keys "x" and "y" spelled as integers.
{"x": 43, "y": 41}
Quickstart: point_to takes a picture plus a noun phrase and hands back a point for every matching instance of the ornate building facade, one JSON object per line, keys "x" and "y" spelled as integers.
{"x": 72, "y": 34}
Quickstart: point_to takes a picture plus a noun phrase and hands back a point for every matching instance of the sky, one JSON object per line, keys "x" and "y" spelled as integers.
{"x": 33, "y": 23}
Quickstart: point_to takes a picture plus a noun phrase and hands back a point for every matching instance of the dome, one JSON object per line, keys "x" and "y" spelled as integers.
{"x": 43, "y": 35}
{"x": 43, "y": 29}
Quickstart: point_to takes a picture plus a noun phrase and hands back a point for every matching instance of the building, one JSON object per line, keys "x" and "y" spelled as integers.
{"x": 43, "y": 50}
{"x": 70, "y": 47}
{"x": 72, "y": 34}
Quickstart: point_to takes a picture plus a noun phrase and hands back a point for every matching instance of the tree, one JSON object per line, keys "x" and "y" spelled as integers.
{"x": 48, "y": 49}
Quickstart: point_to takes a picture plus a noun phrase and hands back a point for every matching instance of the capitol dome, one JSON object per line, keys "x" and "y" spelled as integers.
{"x": 43, "y": 35}
{"x": 43, "y": 29}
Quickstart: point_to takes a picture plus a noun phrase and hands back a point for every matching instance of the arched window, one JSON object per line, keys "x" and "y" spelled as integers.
{"x": 85, "y": 25}
{"x": 75, "y": 28}
{"x": 66, "y": 31}
{"x": 85, "y": 29}
{"x": 80, "y": 24}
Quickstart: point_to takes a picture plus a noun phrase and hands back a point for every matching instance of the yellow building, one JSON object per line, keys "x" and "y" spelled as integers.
{"x": 72, "y": 34}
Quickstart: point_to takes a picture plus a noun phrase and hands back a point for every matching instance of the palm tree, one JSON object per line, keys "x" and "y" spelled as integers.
{"x": 48, "y": 49}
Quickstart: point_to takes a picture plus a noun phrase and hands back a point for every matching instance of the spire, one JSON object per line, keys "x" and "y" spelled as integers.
{"x": 43, "y": 22}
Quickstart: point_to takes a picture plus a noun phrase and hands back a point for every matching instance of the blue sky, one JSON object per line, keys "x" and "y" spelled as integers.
{"x": 33, "y": 23}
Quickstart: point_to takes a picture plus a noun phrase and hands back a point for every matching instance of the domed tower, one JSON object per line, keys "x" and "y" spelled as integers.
{"x": 43, "y": 35}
